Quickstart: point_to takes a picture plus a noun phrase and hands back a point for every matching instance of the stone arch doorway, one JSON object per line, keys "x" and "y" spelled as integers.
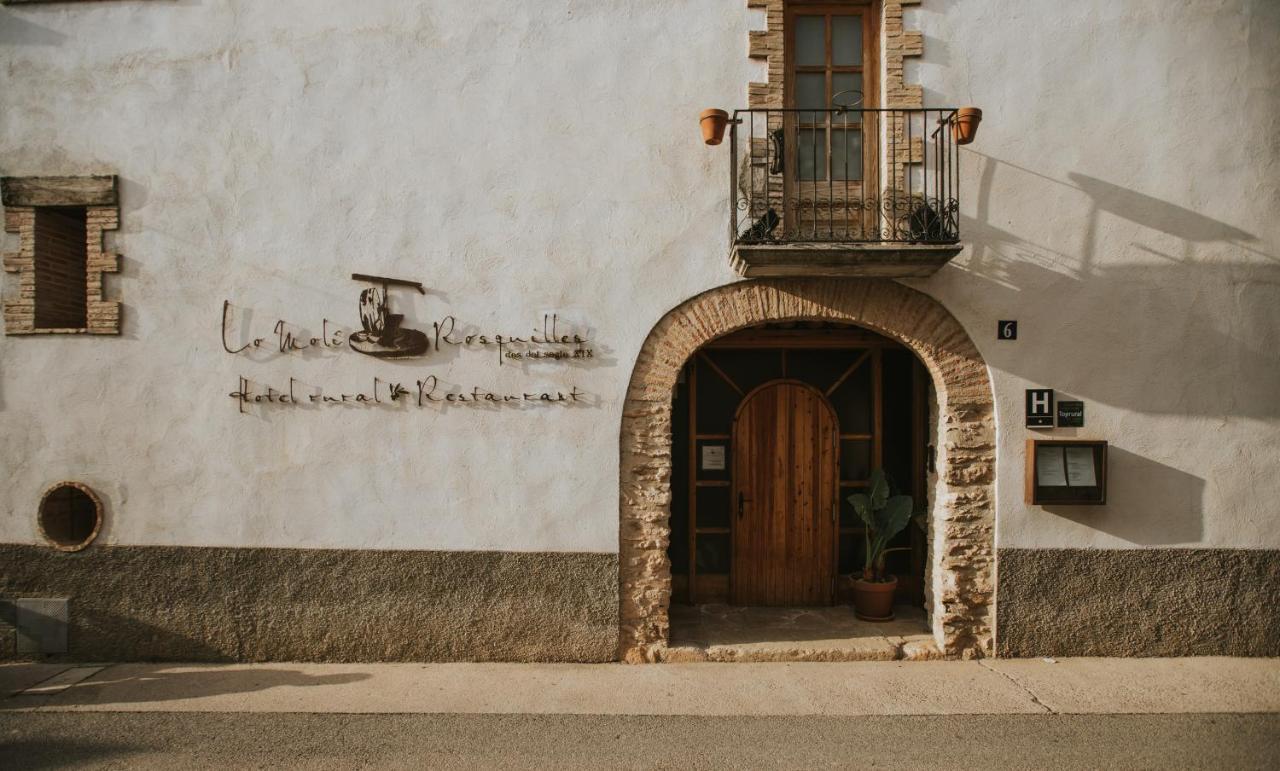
{"x": 962, "y": 520}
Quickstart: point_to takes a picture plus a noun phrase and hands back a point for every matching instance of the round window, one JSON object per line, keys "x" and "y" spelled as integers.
{"x": 70, "y": 515}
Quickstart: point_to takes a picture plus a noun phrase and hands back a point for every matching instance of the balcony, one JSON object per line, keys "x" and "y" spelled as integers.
{"x": 844, "y": 192}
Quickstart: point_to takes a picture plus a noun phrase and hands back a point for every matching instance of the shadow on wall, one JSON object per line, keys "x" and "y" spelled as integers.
{"x": 1210, "y": 334}
{"x": 1148, "y": 503}
{"x": 15, "y": 30}
{"x": 126, "y": 637}
{"x": 1168, "y": 218}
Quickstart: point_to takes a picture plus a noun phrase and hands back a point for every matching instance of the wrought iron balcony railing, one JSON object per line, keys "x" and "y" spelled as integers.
{"x": 846, "y": 176}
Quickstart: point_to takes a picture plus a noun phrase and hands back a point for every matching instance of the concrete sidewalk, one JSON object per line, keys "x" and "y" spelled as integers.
{"x": 992, "y": 687}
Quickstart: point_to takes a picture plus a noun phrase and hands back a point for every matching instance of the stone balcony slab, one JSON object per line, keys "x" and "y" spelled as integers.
{"x": 841, "y": 260}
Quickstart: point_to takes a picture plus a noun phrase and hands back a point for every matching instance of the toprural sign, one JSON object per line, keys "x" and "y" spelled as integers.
{"x": 383, "y": 336}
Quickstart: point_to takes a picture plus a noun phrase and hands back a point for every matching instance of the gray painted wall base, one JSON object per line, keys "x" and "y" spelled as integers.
{"x": 131, "y": 603}
{"x": 1140, "y": 602}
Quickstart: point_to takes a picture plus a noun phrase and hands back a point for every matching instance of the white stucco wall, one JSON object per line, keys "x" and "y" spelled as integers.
{"x": 523, "y": 158}
{"x": 1121, "y": 205}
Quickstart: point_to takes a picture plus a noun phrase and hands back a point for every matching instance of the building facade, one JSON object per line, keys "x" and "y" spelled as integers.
{"x": 436, "y": 331}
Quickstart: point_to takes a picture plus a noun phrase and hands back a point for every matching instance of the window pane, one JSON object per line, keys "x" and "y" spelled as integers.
{"x": 820, "y": 368}
{"x": 852, "y": 548}
{"x": 848, "y": 515}
{"x": 748, "y": 369}
{"x": 811, "y": 153}
{"x": 811, "y": 93}
{"x": 811, "y": 44}
{"x": 846, "y": 155}
{"x": 855, "y": 462}
{"x": 846, "y": 41}
{"x": 713, "y": 553}
{"x": 716, "y": 401}
{"x": 713, "y": 507}
{"x": 852, "y": 401}
{"x": 846, "y": 90}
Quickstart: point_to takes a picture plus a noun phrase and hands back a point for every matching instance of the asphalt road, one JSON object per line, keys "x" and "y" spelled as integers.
{"x": 285, "y": 740}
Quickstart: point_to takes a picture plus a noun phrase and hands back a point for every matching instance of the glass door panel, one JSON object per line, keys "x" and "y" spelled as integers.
{"x": 828, "y": 66}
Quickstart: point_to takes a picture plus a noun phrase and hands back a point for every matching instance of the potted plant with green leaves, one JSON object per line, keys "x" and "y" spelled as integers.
{"x": 884, "y": 516}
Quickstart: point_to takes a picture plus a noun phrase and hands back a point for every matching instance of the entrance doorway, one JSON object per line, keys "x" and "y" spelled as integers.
{"x": 785, "y": 448}
{"x": 660, "y": 539}
{"x": 773, "y": 427}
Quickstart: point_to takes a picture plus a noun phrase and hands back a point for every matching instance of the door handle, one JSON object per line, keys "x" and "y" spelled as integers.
{"x": 742, "y": 499}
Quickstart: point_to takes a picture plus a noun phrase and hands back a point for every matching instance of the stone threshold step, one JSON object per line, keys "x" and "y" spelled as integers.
{"x": 858, "y": 649}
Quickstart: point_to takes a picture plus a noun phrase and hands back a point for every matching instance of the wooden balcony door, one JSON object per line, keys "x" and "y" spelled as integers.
{"x": 785, "y": 483}
{"x": 832, "y": 156}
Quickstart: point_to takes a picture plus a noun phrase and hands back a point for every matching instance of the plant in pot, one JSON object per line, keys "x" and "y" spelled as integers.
{"x": 884, "y": 516}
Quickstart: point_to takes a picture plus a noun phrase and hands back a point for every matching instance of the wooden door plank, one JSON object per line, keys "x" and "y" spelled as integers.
{"x": 830, "y": 486}
{"x": 791, "y": 518}
{"x": 774, "y": 545}
{"x": 813, "y": 493}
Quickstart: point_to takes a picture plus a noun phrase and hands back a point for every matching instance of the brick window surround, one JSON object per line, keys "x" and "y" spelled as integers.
{"x": 895, "y": 44}
{"x": 60, "y": 258}
{"x": 962, "y": 519}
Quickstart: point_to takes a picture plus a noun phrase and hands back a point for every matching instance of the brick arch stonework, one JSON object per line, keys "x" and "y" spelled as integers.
{"x": 962, "y": 522}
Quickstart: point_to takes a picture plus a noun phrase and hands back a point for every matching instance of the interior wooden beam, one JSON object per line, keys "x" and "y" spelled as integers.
{"x": 721, "y": 373}
{"x": 852, "y": 369}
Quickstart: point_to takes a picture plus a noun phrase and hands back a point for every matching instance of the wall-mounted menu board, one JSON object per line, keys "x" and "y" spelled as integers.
{"x": 1066, "y": 471}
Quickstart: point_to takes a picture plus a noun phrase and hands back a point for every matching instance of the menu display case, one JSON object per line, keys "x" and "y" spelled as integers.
{"x": 1068, "y": 472}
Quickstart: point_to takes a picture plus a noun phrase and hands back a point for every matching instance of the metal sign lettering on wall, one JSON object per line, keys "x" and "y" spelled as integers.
{"x": 383, "y": 335}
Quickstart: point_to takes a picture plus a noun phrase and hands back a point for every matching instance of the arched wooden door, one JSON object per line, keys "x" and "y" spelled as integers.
{"x": 785, "y": 485}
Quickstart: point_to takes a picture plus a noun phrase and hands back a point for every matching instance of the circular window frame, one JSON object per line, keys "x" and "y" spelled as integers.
{"x": 97, "y": 511}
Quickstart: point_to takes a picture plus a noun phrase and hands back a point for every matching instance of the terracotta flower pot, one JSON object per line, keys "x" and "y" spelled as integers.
{"x": 713, "y": 122}
{"x": 965, "y": 125}
{"x": 872, "y": 600}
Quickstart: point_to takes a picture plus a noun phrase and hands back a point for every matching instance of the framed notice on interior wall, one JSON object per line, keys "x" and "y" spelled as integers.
{"x": 1069, "y": 472}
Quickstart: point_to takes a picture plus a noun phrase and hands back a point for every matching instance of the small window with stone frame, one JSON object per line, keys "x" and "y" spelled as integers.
{"x": 60, "y": 258}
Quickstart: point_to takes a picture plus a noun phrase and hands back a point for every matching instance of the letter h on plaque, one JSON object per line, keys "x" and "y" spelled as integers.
{"x": 1039, "y": 408}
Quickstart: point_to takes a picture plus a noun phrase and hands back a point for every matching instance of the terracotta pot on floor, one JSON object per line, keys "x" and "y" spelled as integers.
{"x": 873, "y": 601}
